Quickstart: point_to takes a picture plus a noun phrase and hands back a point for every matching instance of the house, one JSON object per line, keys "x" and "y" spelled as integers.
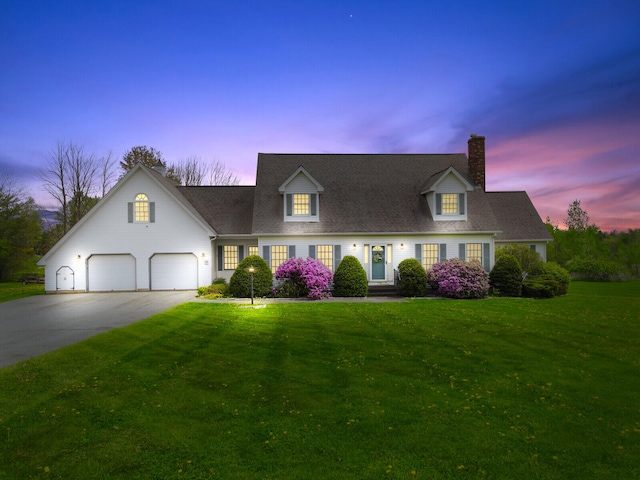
{"x": 148, "y": 233}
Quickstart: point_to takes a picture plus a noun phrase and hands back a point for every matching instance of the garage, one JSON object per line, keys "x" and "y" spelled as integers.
{"x": 107, "y": 273}
{"x": 174, "y": 271}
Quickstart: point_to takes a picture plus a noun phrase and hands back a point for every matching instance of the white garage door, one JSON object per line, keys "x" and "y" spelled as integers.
{"x": 174, "y": 271}
{"x": 108, "y": 273}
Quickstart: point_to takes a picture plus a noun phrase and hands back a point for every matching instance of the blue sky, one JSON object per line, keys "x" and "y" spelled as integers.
{"x": 553, "y": 86}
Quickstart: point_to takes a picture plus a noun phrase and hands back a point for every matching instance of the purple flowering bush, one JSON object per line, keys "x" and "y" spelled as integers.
{"x": 456, "y": 278}
{"x": 303, "y": 278}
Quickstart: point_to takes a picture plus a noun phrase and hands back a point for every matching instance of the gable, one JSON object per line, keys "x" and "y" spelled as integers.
{"x": 108, "y": 226}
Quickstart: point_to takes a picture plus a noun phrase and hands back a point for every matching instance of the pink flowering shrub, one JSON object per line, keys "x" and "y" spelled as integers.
{"x": 303, "y": 278}
{"x": 456, "y": 278}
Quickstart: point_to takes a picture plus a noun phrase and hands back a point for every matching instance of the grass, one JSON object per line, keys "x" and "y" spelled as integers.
{"x": 14, "y": 290}
{"x": 499, "y": 388}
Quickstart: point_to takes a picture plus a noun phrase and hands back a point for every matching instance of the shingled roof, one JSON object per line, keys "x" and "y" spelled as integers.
{"x": 518, "y": 218}
{"x": 365, "y": 193}
{"x": 228, "y": 209}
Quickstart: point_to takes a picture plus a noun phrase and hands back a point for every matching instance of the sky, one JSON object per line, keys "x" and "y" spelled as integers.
{"x": 553, "y": 86}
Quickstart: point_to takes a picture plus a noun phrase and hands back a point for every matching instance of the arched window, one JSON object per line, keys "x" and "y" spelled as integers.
{"x": 141, "y": 208}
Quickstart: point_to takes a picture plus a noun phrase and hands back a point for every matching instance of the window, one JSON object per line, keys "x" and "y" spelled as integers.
{"x": 449, "y": 203}
{"x": 301, "y": 207}
{"x": 474, "y": 252}
{"x": 325, "y": 255}
{"x": 301, "y": 204}
{"x": 430, "y": 252}
{"x": 253, "y": 250}
{"x": 230, "y": 253}
{"x": 141, "y": 208}
{"x": 278, "y": 255}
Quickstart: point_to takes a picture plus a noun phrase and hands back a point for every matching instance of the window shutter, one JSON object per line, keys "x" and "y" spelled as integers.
{"x": 220, "y": 258}
{"x": 152, "y": 212}
{"x": 130, "y": 211}
{"x": 337, "y": 256}
{"x": 462, "y": 251}
{"x": 289, "y": 204}
{"x": 240, "y": 253}
{"x": 312, "y": 251}
{"x": 292, "y": 251}
{"x": 419, "y": 252}
{"x": 438, "y": 204}
{"x": 266, "y": 250}
{"x": 313, "y": 199}
{"x": 486, "y": 255}
{"x": 443, "y": 252}
{"x": 461, "y": 203}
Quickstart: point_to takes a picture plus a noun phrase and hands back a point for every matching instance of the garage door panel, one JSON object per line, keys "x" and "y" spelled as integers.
{"x": 175, "y": 271}
{"x": 108, "y": 273}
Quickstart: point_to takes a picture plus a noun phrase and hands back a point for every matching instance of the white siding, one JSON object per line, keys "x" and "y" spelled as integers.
{"x": 401, "y": 246}
{"x": 107, "y": 231}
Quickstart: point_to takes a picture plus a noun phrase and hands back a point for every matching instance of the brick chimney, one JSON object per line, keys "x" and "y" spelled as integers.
{"x": 476, "y": 159}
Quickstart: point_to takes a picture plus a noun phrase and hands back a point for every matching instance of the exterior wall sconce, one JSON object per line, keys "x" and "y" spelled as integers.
{"x": 78, "y": 257}
{"x": 354, "y": 246}
{"x": 402, "y": 245}
{"x": 202, "y": 255}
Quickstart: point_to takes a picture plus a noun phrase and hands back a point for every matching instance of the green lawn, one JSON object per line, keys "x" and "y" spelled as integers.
{"x": 497, "y": 388}
{"x": 15, "y": 290}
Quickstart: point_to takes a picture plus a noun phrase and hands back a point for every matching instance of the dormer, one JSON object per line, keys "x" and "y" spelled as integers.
{"x": 447, "y": 194}
{"x": 301, "y": 197}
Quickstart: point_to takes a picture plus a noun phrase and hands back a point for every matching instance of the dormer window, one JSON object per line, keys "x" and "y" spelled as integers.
{"x": 301, "y": 204}
{"x": 301, "y": 197}
{"x": 446, "y": 194}
{"x": 450, "y": 203}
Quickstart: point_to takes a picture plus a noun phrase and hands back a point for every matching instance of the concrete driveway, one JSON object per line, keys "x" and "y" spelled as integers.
{"x": 35, "y": 325}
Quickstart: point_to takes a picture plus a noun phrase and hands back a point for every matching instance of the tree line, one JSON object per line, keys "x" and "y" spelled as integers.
{"x": 587, "y": 252}
{"x": 76, "y": 179}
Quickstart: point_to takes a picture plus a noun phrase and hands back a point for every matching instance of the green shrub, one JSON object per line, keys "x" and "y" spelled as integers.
{"x": 240, "y": 283}
{"x": 598, "y": 270}
{"x": 560, "y": 274}
{"x": 350, "y": 279}
{"x": 529, "y": 260}
{"x": 506, "y": 276}
{"x": 219, "y": 281}
{"x": 413, "y": 278}
{"x": 215, "y": 290}
{"x": 541, "y": 286}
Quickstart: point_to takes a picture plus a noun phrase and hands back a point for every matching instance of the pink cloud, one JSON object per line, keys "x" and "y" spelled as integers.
{"x": 590, "y": 163}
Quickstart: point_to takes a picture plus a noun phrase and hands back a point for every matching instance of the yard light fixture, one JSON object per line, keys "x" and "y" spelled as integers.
{"x": 251, "y": 270}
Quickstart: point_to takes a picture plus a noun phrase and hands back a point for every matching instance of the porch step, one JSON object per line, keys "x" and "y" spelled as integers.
{"x": 383, "y": 291}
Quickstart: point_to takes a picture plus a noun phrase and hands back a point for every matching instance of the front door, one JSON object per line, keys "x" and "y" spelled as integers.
{"x": 378, "y": 266}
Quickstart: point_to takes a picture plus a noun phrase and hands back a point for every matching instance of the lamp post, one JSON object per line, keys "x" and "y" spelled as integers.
{"x": 251, "y": 270}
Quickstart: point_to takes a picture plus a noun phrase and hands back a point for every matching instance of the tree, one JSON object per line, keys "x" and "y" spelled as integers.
{"x": 194, "y": 172}
{"x": 577, "y": 219}
{"x": 148, "y": 156}
{"x": 20, "y": 227}
{"x": 190, "y": 172}
{"x": 75, "y": 179}
{"x": 219, "y": 175}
